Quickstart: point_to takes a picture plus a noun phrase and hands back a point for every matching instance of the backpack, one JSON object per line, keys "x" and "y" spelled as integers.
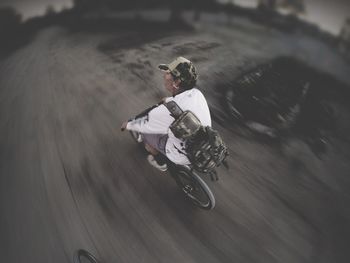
{"x": 204, "y": 146}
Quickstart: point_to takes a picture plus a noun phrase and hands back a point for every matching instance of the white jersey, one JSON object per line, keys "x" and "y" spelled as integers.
{"x": 159, "y": 120}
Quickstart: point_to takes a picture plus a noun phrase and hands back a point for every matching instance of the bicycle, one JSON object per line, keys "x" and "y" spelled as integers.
{"x": 190, "y": 183}
{"x": 187, "y": 179}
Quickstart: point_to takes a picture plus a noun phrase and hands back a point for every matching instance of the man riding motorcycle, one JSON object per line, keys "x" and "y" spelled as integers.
{"x": 180, "y": 78}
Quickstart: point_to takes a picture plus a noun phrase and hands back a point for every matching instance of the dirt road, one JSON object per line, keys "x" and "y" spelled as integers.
{"x": 70, "y": 179}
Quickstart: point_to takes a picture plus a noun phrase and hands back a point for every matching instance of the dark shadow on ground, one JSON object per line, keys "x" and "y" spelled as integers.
{"x": 287, "y": 98}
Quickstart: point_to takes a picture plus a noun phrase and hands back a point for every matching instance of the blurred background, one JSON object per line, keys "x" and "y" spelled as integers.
{"x": 276, "y": 75}
{"x": 329, "y": 15}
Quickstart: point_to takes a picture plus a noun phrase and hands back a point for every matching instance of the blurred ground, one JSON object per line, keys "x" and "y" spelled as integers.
{"x": 69, "y": 178}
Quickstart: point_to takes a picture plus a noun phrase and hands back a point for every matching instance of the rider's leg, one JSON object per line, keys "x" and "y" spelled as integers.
{"x": 151, "y": 149}
{"x": 155, "y": 145}
{"x": 156, "y": 159}
{"x": 159, "y": 157}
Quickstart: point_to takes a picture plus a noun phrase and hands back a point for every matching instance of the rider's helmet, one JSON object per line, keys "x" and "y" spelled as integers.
{"x": 183, "y": 69}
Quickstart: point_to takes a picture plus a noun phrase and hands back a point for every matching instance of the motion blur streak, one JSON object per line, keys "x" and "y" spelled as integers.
{"x": 70, "y": 179}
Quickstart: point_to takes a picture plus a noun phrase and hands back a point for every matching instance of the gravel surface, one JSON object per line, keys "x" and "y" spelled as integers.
{"x": 70, "y": 179}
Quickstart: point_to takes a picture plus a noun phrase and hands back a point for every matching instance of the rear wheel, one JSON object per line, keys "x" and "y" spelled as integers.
{"x": 195, "y": 188}
{"x": 82, "y": 256}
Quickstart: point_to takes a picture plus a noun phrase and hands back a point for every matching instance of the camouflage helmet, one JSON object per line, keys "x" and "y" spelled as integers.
{"x": 183, "y": 69}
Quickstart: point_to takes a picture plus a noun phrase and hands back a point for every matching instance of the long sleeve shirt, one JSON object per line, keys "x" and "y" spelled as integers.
{"x": 159, "y": 119}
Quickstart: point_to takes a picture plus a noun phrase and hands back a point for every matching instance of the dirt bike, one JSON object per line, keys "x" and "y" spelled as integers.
{"x": 186, "y": 178}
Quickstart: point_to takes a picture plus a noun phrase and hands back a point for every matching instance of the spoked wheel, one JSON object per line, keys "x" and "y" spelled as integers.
{"x": 195, "y": 189}
{"x": 82, "y": 256}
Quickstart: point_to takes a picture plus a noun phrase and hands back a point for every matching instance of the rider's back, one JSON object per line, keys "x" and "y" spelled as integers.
{"x": 158, "y": 121}
{"x": 191, "y": 100}
{"x": 194, "y": 101}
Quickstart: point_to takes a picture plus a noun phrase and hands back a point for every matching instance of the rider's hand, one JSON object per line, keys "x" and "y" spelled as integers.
{"x": 123, "y": 127}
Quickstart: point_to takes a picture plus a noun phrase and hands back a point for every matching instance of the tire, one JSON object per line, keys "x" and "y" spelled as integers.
{"x": 195, "y": 188}
{"x": 187, "y": 180}
{"x": 82, "y": 256}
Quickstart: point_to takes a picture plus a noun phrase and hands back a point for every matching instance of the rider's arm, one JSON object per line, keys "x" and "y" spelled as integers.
{"x": 157, "y": 121}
